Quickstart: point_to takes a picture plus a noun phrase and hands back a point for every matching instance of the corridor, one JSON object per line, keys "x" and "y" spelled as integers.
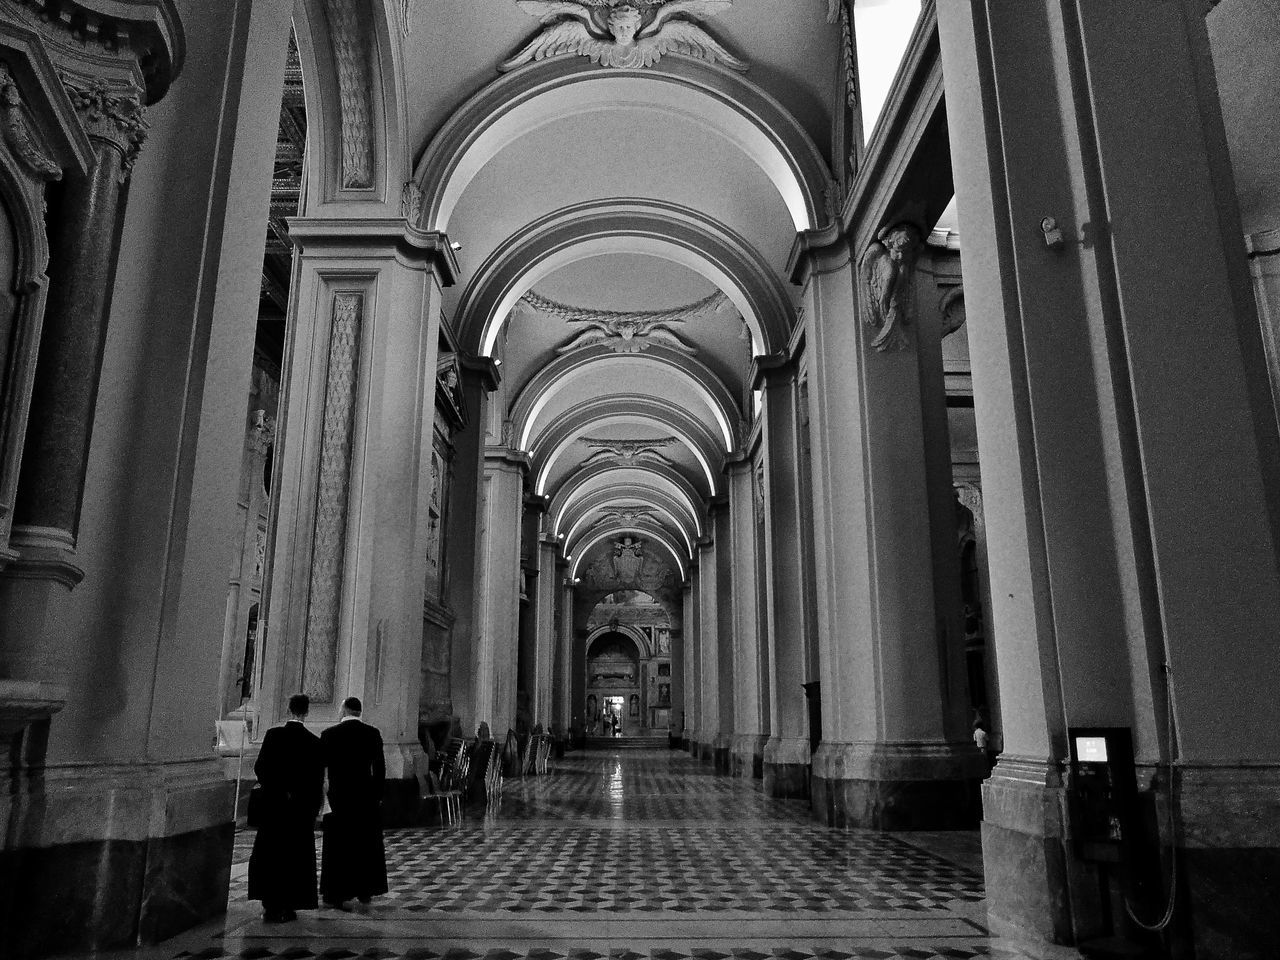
{"x": 640, "y": 853}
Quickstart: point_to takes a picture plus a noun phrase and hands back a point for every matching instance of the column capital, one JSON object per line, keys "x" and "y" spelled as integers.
{"x": 111, "y": 114}
{"x": 506, "y": 458}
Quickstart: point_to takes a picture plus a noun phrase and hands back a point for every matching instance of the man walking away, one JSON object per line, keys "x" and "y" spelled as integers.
{"x": 290, "y": 771}
{"x": 353, "y": 864}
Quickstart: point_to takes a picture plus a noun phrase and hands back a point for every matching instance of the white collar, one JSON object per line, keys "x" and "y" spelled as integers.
{"x": 345, "y": 719}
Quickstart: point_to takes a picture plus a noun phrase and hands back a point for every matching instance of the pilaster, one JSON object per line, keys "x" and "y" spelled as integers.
{"x": 1123, "y": 528}
{"x": 788, "y": 567}
{"x": 895, "y": 751}
{"x": 749, "y": 666}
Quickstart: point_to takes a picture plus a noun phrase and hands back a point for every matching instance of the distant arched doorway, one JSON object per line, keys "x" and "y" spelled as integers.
{"x": 628, "y": 664}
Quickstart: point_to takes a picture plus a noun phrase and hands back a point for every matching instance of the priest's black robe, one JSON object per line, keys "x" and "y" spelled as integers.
{"x": 354, "y": 863}
{"x": 282, "y": 867}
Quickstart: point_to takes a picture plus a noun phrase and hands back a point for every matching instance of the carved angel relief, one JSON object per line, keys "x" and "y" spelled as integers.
{"x": 623, "y": 33}
{"x": 624, "y": 332}
{"x": 18, "y": 136}
{"x": 628, "y": 515}
{"x": 886, "y": 272}
{"x": 627, "y": 451}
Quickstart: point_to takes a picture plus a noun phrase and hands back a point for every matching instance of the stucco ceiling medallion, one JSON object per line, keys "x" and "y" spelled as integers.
{"x": 626, "y": 34}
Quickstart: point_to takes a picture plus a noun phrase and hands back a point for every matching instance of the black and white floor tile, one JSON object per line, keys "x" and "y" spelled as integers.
{"x": 629, "y": 854}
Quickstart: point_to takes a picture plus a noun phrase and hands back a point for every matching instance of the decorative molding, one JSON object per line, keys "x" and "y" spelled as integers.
{"x": 885, "y": 272}
{"x": 18, "y": 136}
{"x": 626, "y": 34}
{"x": 624, "y": 332}
{"x": 411, "y": 202}
{"x": 115, "y": 117}
{"x": 406, "y": 17}
{"x": 351, "y": 54}
{"x": 627, "y": 451}
{"x": 328, "y": 553}
{"x": 762, "y": 507}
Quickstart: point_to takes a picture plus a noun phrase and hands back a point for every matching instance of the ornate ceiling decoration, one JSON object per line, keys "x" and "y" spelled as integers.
{"x": 627, "y": 451}
{"x": 624, "y": 332}
{"x": 623, "y": 33}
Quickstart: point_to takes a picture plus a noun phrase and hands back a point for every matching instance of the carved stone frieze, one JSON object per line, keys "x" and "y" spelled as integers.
{"x": 625, "y": 34}
{"x": 111, "y": 115}
{"x": 333, "y": 483}
{"x": 886, "y": 273}
{"x": 349, "y": 35}
{"x": 627, "y": 451}
{"x": 624, "y": 332}
{"x": 411, "y": 200}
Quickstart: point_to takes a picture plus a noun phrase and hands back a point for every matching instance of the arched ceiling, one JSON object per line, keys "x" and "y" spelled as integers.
{"x": 624, "y": 235}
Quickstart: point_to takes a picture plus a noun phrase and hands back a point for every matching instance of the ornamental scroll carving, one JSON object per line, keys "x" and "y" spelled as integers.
{"x": 18, "y": 136}
{"x": 625, "y": 34}
{"x": 887, "y": 274}
{"x": 328, "y": 550}
{"x": 351, "y": 56}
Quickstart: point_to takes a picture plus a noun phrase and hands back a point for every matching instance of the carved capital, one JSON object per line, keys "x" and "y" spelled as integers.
{"x": 114, "y": 116}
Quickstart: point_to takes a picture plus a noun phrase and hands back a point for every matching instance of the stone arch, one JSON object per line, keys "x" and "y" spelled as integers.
{"x": 665, "y": 230}
{"x": 352, "y": 63}
{"x": 525, "y": 99}
{"x": 625, "y": 629}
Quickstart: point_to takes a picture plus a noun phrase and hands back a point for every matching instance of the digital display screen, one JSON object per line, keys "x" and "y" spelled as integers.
{"x": 1091, "y": 749}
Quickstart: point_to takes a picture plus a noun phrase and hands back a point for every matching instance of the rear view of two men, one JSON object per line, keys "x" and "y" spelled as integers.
{"x": 290, "y": 769}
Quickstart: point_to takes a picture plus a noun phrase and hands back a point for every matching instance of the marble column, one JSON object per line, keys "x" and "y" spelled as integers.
{"x": 725, "y": 633}
{"x": 354, "y": 468}
{"x": 787, "y": 563}
{"x": 675, "y": 726}
{"x": 496, "y": 647}
{"x": 750, "y": 689}
{"x": 548, "y": 590}
{"x": 1135, "y": 526}
{"x": 83, "y": 243}
{"x": 896, "y": 752}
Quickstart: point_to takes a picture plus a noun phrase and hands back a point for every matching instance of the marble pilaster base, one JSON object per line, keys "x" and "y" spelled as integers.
{"x": 1229, "y": 849}
{"x": 707, "y": 754}
{"x": 897, "y": 786}
{"x": 746, "y": 756}
{"x": 720, "y": 759}
{"x": 785, "y": 768}
{"x": 135, "y": 853}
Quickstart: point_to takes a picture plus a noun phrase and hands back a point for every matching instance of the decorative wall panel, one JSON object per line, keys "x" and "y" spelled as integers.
{"x": 333, "y": 489}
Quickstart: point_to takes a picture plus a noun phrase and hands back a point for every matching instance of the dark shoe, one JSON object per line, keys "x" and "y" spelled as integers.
{"x": 338, "y": 905}
{"x": 289, "y": 916}
{"x": 275, "y": 916}
{"x": 365, "y": 900}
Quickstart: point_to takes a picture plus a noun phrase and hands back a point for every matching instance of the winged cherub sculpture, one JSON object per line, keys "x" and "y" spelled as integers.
{"x": 887, "y": 272}
{"x": 617, "y": 33}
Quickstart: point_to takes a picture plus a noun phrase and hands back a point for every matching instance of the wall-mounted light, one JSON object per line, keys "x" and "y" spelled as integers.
{"x": 456, "y": 245}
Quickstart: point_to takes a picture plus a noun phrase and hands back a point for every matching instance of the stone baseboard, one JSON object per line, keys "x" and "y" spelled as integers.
{"x": 135, "y": 854}
{"x": 786, "y": 767}
{"x": 916, "y": 786}
{"x": 746, "y": 756}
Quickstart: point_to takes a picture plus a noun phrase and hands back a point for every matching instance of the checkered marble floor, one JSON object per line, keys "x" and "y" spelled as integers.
{"x": 640, "y": 855}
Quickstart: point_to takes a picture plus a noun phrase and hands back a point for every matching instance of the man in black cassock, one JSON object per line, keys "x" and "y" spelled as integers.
{"x": 290, "y": 770}
{"x": 353, "y": 864}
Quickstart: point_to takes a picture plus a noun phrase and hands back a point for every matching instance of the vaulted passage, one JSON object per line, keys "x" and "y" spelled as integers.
{"x": 641, "y": 853}
{"x": 866, "y": 407}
